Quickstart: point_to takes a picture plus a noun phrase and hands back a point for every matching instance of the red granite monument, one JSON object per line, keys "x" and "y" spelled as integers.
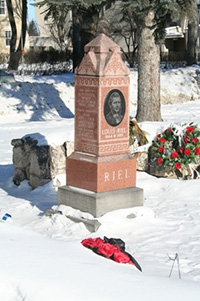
{"x": 101, "y": 162}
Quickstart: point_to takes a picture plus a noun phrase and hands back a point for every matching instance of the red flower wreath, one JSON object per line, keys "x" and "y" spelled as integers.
{"x": 177, "y": 147}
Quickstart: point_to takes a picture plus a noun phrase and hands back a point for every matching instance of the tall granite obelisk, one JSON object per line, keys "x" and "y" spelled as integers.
{"x": 101, "y": 174}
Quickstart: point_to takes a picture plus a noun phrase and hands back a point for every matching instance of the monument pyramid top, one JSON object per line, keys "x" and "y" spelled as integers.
{"x": 102, "y": 58}
{"x": 102, "y": 44}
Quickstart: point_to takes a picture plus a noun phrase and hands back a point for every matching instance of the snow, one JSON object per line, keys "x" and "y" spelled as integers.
{"x": 41, "y": 257}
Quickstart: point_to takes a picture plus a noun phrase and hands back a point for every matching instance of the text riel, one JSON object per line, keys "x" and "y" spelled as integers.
{"x": 116, "y": 175}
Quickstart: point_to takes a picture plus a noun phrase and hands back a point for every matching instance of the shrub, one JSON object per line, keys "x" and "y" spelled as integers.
{"x": 40, "y": 56}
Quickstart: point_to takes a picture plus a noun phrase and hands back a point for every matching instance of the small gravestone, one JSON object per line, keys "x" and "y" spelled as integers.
{"x": 101, "y": 174}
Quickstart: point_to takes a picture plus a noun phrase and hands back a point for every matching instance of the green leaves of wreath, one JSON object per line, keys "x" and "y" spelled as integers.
{"x": 177, "y": 147}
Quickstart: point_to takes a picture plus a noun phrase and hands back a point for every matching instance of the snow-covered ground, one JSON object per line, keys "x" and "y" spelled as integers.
{"x": 41, "y": 258}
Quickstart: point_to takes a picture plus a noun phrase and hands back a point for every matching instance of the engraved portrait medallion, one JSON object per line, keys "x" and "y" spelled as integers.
{"x": 114, "y": 107}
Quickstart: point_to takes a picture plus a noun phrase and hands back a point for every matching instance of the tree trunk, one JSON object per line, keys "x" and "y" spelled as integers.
{"x": 12, "y": 25}
{"x": 24, "y": 26}
{"x": 84, "y": 30}
{"x": 16, "y": 52}
{"x": 89, "y": 23}
{"x": 193, "y": 32}
{"x": 148, "y": 74}
{"x": 76, "y": 40}
{"x": 14, "y": 60}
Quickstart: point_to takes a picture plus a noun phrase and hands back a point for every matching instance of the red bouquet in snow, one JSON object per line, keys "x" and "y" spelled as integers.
{"x": 113, "y": 248}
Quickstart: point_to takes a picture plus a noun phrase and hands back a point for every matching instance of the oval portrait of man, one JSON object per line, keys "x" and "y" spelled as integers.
{"x": 114, "y": 107}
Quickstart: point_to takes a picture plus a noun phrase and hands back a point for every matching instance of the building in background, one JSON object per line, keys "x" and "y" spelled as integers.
{"x": 48, "y": 38}
{"x": 5, "y": 29}
{"x": 175, "y": 46}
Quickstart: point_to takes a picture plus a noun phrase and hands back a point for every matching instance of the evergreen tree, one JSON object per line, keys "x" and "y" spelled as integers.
{"x": 85, "y": 17}
{"x": 32, "y": 29}
{"x": 85, "y": 14}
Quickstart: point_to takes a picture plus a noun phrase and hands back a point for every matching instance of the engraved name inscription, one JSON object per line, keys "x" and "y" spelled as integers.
{"x": 114, "y": 133}
{"x": 116, "y": 175}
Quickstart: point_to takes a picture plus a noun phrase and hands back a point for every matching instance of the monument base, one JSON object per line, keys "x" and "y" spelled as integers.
{"x": 100, "y": 203}
{"x": 100, "y": 174}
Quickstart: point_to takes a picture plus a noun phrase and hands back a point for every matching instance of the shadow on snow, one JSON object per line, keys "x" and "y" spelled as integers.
{"x": 42, "y": 99}
{"x": 43, "y": 197}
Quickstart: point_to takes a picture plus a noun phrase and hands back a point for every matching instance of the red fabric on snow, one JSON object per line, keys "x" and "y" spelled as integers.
{"x": 92, "y": 242}
{"x": 107, "y": 250}
{"x": 122, "y": 258}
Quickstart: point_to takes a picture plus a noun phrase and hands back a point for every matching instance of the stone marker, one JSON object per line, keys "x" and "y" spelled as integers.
{"x": 101, "y": 174}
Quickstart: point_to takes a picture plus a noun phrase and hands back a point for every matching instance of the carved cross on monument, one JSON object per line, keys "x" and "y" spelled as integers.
{"x": 101, "y": 161}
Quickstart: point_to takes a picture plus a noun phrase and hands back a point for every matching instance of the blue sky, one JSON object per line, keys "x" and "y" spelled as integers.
{"x": 31, "y": 10}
